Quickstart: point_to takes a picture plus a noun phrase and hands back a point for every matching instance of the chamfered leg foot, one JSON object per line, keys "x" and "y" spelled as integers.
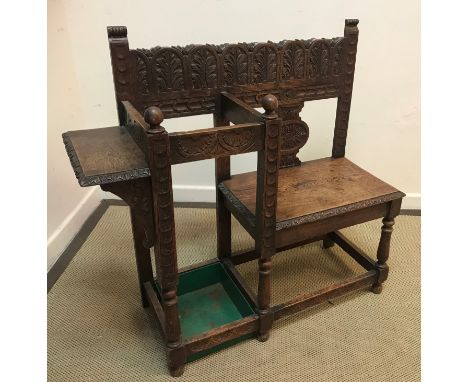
{"x": 177, "y": 371}
{"x": 263, "y": 337}
{"x": 377, "y": 288}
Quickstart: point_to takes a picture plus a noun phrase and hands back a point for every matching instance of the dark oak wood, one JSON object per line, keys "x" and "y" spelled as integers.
{"x": 282, "y": 205}
{"x": 221, "y": 335}
{"x": 222, "y": 172}
{"x": 317, "y": 297}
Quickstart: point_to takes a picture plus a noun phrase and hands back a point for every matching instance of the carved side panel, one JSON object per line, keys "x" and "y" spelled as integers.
{"x": 215, "y": 144}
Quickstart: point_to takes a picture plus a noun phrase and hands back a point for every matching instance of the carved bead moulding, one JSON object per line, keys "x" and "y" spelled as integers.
{"x": 184, "y": 80}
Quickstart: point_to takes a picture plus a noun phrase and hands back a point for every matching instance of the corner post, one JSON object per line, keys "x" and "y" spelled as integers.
{"x": 222, "y": 173}
{"x": 159, "y": 160}
{"x": 122, "y": 65}
{"x": 351, "y": 33}
{"x": 265, "y": 214}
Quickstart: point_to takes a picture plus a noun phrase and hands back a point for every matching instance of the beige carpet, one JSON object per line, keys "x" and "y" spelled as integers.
{"x": 98, "y": 331}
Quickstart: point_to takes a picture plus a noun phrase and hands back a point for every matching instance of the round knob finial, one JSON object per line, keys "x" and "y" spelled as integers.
{"x": 153, "y": 116}
{"x": 270, "y": 104}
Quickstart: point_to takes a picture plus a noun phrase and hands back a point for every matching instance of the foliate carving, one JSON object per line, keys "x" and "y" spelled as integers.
{"x": 181, "y": 80}
{"x": 337, "y": 55}
{"x": 235, "y": 65}
{"x": 319, "y": 58}
{"x": 143, "y": 57}
{"x": 265, "y": 65}
{"x": 293, "y": 60}
{"x": 204, "y": 67}
{"x": 168, "y": 69}
{"x": 215, "y": 143}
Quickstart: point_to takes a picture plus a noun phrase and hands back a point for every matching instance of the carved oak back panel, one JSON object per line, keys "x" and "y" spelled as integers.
{"x": 184, "y": 81}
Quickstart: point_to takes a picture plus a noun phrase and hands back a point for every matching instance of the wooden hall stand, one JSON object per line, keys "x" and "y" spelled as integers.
{"x": 284, "y": 204}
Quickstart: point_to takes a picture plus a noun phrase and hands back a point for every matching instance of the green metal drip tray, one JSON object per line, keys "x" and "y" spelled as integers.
{"x": 208, "y": 298}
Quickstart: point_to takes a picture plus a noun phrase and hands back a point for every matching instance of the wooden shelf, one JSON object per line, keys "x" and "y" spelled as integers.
{"x": 106, "y": 155}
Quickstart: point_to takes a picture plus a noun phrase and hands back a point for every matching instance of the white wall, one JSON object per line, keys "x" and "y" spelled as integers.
{"x": 384, "y": 131}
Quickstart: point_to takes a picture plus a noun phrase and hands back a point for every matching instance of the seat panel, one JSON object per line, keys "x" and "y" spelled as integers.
{"x": 316, "y": 187}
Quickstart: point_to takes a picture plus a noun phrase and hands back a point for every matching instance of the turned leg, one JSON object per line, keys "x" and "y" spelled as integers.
{"x": 264, "y": 293}
{"x": 383, "y": 253}
{"x": 265, "y": 211}
{"x": 142, "y": 254}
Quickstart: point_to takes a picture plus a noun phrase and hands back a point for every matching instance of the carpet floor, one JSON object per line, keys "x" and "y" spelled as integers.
{"x": 98, "y": 331}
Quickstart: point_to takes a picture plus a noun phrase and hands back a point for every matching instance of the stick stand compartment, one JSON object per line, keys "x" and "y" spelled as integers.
{"x": 209, "y": 301}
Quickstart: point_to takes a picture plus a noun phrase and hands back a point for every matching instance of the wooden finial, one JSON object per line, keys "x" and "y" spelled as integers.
{"x": 154, "y": 117}
{"x": 351, "y": 27}
{"x": 351, "y": 22}
{"x": 117, "y": 31}
{"x": 270, "y": 104}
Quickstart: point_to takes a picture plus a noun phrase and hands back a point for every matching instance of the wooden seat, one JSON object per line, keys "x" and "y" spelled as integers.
{"x": 313, "y": 191}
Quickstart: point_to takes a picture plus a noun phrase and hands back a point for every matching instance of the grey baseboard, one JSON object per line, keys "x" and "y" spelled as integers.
{"x": 67, "y": 256}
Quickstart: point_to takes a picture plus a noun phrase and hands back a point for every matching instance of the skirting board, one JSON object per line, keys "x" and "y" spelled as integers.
{"x": 71, "y": 225}
{"x": 206, "y": 194}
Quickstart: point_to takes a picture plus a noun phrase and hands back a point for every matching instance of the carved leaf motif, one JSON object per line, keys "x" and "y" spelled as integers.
{"x": 190, "y": 146}
{"x": 293, "y": 61}
{"x": 337, "y": 45}
{"x": 236, "y": 140}
{"x": 204, "y": 68}
{"x": 142, "y": 71}
{"x": 319, "y": 59}
{"x": 235, "y": 66}
{"x": 265, "y": 64}
{"x": 168, "y": 70}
